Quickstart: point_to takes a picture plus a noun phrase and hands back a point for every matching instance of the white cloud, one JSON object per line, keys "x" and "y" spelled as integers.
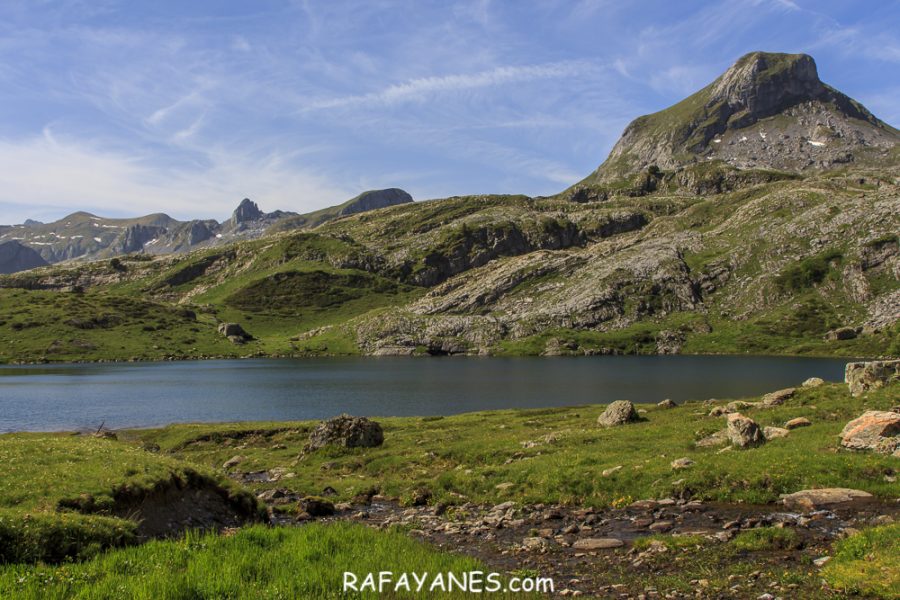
{"x": 417, "y": 90}
{"x": 44, "y": 175}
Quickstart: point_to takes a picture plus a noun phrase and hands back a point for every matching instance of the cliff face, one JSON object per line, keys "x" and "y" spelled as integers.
{"x": 768, "y": 111}
{"x": 15, "y": 257}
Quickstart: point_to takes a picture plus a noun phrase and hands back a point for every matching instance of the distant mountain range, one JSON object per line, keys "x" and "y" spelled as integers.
{"x": 85, "y": 236}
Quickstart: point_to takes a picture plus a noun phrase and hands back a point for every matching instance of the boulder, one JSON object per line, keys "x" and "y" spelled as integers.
{"x": 597, "y": 544}
{"x": 864, "y": 376}
{"x": 667, "y": 404}
{"x": 234, "y": 332}
{"x": 874, "y": 430}
{"x": 743, "y": 432}
{"x": 813, "y": 382}
{"x": 796, "y": 423}
{"x": 810, "y": 500}
{"x": 771, "y": 433}
{"x": 346, "y": 431}
{"x": 779, "y": 397}
{"x": 316, "y": 507}
{"x": 618, "y": 413}
{"x": 841, "y": 333}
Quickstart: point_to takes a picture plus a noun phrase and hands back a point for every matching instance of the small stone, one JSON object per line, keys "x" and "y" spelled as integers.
{"x": 661, "y": 526}
{"x": 597, "y": 544}
{"x": 822, "y": 561}
{"x": 771, "y": 433}
{"x": 797, "y": 423}
{"x": 534, "y": 543}
{"x": 233, "y": 462}
{"x": 779, "y": 397}
{"x": 667, "y": 403}
{"x": 610, "y": 471}
{"x": 504, "y": 486}
{"x": 813, "y": 382}
{"x": 682, "y": 463}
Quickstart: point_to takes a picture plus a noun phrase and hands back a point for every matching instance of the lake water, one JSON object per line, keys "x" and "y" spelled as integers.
{"x": 64, "y": 397}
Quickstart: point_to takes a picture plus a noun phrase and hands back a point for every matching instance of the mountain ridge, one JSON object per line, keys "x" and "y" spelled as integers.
{"x": 85, "y": 236}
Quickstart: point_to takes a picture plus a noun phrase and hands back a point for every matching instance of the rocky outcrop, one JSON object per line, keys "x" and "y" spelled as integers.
{"x": 15, "y": 257}
{"x": 246, "y": 211}
{"x": 136, "y": 236}
{"x": 875, "y": 430}
{"x": 864, "y": 376}
{"x": 375, "y": 199}
{"x": 743, "y": 432}
{"x": 346, "y": 431}
{"x": 618, "y": 413}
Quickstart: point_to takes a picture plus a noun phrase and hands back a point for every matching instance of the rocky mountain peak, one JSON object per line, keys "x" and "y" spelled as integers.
{"x": 767, "y": 111}
{"x": 762, "y": 83}
{"x": 246, "y": 211}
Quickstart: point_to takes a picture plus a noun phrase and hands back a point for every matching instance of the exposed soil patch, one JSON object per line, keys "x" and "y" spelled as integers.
{"x": 174, "y": 506}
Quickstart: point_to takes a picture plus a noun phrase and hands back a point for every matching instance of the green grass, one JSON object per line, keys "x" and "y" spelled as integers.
{"x": 256, "y": 562}
{"x": 557, "y": 455}
{"x": 765, "y": 538}
{"x": 866, "y": 564}
{"x": 61, "y": 495}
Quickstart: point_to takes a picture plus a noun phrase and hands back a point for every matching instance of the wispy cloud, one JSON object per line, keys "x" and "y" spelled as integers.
{"x": 420, "y": 89}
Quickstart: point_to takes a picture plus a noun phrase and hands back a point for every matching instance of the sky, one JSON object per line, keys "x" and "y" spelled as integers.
{"x": 124, "y": 108}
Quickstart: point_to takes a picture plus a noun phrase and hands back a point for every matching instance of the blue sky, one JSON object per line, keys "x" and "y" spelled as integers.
{"x": 124, "y": 108}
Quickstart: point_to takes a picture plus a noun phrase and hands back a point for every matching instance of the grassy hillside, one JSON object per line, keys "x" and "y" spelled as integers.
{"x": 769, "y": 267}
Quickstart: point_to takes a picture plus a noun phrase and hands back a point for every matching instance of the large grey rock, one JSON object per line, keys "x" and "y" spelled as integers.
{"x": 346, "y": 431}
{"x": 864, "y": 376}
{"x": 810, "y": 500}
{"x": 234, "y": 330}
{"x": 744, "y": 432}
{"x": 874, "y": 430}
{"x": 618, "y": 413}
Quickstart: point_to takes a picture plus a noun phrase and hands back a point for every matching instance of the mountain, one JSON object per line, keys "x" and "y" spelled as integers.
{"x": 16, "y": 257}
{"x": 767, "y": 112}
{"x": 670, "y": 249}
{"x": 370, "y": 200}
{"x": 84, "y": 236}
